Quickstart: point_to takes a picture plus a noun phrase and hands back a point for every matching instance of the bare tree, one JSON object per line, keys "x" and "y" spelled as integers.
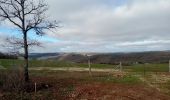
{"x": 26, "y": 15}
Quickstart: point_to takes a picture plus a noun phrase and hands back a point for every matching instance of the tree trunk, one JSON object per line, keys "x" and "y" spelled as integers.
{"x": 26, "y": 75}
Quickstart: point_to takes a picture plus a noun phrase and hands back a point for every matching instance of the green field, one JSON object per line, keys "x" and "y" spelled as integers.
{"x": 148, "y": 68}
{"x": 59, "y": 64}
{"x": 48, "y": 63}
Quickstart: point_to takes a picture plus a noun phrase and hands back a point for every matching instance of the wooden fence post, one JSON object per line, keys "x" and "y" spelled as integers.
{"x": 35, "y": 87}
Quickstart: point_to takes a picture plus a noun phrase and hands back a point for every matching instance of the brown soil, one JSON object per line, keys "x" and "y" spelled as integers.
{"x": 73, "y": 89}
{"x": 66, "y": 87}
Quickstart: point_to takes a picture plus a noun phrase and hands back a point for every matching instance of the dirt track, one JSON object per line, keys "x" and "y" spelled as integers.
{"x": 71, "y": 69}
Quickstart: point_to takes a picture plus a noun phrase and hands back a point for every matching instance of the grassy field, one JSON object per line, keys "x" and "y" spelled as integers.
{"x": 51, "y": 63}
{"x": 139, "y": 80}
{"x": 148, "y": 68}
{"x": 63, "y": 85}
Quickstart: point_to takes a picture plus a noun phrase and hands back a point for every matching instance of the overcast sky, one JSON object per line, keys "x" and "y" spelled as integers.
{"x": 106, "y": 26}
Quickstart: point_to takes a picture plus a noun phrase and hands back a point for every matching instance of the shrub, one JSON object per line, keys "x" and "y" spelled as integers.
{"x": 12, "y": 80}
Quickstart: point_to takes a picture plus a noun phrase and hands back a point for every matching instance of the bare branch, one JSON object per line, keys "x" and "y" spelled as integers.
{"x": 26, "y": 15}
{"x": 17, "y": 42}
{"x": 6, "y": 14}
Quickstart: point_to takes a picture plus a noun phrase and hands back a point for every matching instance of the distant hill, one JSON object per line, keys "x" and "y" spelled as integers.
{"x": 109, "y": 58}
{"x": 43, "y": 55}
{"x": 130, "y": 58}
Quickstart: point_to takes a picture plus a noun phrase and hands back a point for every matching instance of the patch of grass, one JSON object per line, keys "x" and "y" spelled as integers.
{"x": 168, "y": 85}
{"x": 41, "y": 95}
{"x": 100, "y": 66}
{"x": 67, "y": 90}
{"x": 165, "y": 87}
{"x": 147, "y": 68}
{"x": 50, "y": 63}
{"x": 9, "y": 63}
{"x": 127, "y": 79}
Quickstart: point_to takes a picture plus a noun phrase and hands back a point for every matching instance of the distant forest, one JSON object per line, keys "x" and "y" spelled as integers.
{"x": 7, "y": 56}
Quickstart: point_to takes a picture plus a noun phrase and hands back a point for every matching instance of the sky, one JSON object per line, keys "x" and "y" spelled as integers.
{"x": 103, "y": 26}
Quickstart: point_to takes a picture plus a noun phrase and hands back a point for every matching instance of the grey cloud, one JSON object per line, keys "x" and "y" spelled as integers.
{"x": 106, "y": 26}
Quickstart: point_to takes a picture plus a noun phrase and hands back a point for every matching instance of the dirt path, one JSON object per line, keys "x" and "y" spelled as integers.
{"x": 72, "y": 69}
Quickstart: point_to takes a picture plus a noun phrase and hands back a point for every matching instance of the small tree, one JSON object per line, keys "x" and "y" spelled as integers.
{"x": 26, "y": 15}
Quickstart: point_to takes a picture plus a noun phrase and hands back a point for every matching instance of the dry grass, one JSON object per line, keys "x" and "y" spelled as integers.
{"x": 12, "y": 80}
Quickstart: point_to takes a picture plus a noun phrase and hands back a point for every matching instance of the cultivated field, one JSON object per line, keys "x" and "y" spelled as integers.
{"x": 71, "y": 81}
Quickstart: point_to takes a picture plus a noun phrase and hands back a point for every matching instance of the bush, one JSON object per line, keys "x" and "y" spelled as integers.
{"x": 12, "y": 80}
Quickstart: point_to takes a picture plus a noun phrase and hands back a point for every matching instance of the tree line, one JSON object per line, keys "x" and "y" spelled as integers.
{"x": 7, "y": 56}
